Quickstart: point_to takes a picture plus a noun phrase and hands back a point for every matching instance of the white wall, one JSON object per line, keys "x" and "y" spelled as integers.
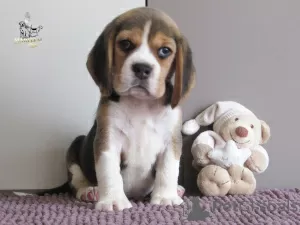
{"x": 46, "y": 95}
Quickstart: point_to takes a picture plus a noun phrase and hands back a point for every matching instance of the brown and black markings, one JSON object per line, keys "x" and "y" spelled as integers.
{"x": 104, "y": 64}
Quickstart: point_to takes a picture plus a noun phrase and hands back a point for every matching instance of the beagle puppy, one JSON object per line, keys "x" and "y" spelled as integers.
{"x": 134, "y": 147}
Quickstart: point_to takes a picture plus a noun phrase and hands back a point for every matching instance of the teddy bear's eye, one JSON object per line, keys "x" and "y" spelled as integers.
{"x": 252, "y": 126}
{"x": 236, "y": 119}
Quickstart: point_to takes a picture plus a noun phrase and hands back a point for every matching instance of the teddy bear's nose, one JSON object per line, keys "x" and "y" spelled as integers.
{"x": 241, "y": 131}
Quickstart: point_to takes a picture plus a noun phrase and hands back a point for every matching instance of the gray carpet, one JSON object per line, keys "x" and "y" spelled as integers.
{"x": 264, "y": 207}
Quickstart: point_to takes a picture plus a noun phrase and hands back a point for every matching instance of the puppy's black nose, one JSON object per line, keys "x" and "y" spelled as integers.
{"x": 141, "y": 70}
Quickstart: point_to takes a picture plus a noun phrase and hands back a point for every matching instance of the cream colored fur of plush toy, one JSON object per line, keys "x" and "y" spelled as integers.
{"x": 228, "y": 156}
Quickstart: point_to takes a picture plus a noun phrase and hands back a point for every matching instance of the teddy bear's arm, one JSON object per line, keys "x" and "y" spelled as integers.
{"x": 204, "y": 143}
{"x": 259, "y": 160}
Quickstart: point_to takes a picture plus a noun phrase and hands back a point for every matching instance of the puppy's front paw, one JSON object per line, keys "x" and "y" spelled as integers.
{"x": 166, "y": 200}
{"x": 113, "y": 203}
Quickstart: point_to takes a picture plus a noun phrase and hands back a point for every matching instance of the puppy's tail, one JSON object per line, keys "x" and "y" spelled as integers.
{"x": 62, "y": 189}
{"x": 71, "y": 158}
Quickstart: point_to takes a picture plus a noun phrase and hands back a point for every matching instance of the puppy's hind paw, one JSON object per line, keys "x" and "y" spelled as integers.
{"x": 89, "y": 194}
{"x": 180, "y": 191}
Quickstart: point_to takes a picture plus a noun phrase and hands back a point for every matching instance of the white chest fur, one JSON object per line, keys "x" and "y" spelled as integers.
{"x": 145, "y": 131}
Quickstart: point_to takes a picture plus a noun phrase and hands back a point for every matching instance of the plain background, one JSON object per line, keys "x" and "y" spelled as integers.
{"x": 47, "y": 96}
{"x": 247, "y": 51}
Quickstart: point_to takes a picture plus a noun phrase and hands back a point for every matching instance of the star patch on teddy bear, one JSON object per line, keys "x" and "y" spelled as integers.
{"x": 229, "y": 155}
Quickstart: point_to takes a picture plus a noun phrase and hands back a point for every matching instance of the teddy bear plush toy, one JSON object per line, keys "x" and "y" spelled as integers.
{"x": 228, "y": 156}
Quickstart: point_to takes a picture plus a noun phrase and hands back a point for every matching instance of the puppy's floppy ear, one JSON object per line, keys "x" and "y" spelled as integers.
{"x": 184, "y": 72}
{"x": 265, "y": 132}
{"x": 100, "y": 60}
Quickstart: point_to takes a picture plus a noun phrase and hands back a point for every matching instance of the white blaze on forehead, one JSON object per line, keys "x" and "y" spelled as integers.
{"x": 146, "y": 32}
{"x": 145, "y": 55}
{"x": 142, "y": 54}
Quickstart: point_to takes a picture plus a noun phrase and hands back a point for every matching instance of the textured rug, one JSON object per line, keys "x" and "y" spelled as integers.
{"x": 264, "y": 207}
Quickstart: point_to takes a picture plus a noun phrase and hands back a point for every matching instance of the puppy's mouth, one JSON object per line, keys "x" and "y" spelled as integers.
{"x": 237, "y": 141}
{"x": 139, "y": 88}
{"x": 140, "y": 92}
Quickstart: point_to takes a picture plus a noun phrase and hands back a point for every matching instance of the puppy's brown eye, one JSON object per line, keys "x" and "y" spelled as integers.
{"x": 126, "y": 45}
{"x": 164, "y": 52}
{"x": 252, "y": 126}
{"x": 236, "y": 119}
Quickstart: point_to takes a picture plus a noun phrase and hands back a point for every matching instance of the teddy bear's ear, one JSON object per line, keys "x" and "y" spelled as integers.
{"x": 265, "y": 132}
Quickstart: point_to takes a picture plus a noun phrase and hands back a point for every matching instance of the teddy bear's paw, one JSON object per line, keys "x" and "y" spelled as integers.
{"x": 200, "y": 154}
{"x": 242, "y": 179}
{"x": 214, "y": 181}
{"x": 257, "y": 162}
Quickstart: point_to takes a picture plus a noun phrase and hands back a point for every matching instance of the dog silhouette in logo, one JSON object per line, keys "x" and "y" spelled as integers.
{"x": 27, "y": 31}
{"x": 24, "y": 30}
{"x": 197, "y": 213}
